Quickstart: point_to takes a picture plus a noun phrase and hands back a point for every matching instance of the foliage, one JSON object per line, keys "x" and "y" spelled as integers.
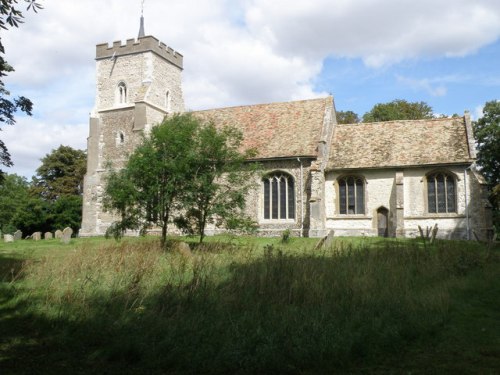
{"x": 184, "y": 168}
{"x": 33, "y": 216}
{"x": 11, "y": 16}
{"x": 60, "y": 174}
{"x": 347, "y": 117}
{"x": 285, "y": 236}
{"x": 362, "y": 306}
{"x": 398, "y": 109}
{"x": 219, "y": 181}
{"x": 487, "y": 134}
{"x": 146, "y": 192}
{"x": 66, "y": 211}
{"x": 14, "y": 192}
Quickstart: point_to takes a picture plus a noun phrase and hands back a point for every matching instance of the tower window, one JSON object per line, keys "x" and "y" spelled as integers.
{"x": 122, "y": 93}
{"x": 279, "y": 197}
{"x": 167, "y": 100}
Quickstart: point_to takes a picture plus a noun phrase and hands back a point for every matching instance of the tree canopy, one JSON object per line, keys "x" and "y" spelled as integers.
{"x": 181, "y": 173}
{"x": 398, "y": 109}
{"x": 487, "y": 134}
{"x": 60, "y": 174}
{"x": 14, "y": 192}
{"x": 347, "y": 117}
{"x": 11, "y": 16}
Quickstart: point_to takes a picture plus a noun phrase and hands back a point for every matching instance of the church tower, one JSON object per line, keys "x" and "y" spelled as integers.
{"x": 138, "y": 84}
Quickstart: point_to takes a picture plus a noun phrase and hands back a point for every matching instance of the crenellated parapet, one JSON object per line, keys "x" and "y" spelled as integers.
{"x": 141, "y": 45}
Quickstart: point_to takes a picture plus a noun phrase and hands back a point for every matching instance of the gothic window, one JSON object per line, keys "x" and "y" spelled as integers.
{"x": 279, "y": 196}
{"x": 122, "y": 93}
{"x": 120, "y": 138}
{"x": 441, "y": 193}
{"x": 351, "y": 195}
{"x": 167, "y": 100}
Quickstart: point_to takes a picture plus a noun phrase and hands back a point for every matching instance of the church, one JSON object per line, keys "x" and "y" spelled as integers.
{"x": 318, "y": 177}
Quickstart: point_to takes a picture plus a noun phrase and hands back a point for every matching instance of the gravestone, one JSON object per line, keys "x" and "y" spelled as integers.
{"x": 58, "y": 234}
{"x": 37, "y": 236}
{"x": 67, "y": 232}
{"x": 8, "y": 238}
{"x": 47, "y": 236}
{"x": 18, "y": 235}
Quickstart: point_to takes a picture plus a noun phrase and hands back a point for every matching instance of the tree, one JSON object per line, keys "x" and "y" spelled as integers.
{"x": 186, "y": 173}
{"x": 487, "y": 134}
{"x": 60, "y": 174}
{"x": 398, "y": 110}
{"x": 11, "y": 16}
{"x": 347, "y": 117}
{"x": 14, "y": 193}
{"x": 220, "y": 181}
{"x": 146, "y": 191}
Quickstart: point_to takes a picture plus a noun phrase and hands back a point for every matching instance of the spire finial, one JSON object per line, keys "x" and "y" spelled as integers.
{"x": 141, "y": 27}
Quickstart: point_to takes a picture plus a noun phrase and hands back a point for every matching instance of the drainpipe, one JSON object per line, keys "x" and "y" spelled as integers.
{"x": 466, "y": 200}
{"x": 301, "y": 197}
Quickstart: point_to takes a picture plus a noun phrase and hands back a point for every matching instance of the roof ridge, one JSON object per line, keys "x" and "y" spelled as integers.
{"x": 439, "y": 119}
{"x": 329, "y": 97}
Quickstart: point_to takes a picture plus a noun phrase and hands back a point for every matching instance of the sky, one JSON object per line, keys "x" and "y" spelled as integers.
{"x": 239, "y": 52}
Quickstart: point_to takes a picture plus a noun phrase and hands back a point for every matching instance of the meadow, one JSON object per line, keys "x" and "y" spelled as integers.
{"x": 244, "y": 305}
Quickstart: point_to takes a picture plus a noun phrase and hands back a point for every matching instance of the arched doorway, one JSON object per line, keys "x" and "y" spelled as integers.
{"x": 383, "y": 222}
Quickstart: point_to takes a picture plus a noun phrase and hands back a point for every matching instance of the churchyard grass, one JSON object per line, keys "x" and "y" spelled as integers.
{"x": 249, "y": 305}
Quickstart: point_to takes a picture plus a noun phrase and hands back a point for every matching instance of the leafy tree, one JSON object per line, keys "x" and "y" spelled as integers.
{"x": 66, "y": 211}
{"x": 14, "y": 193}
{"x": 60, "y": 174}
{"x": 347, "y": 117}
{"x": 220, "y": 180}
{"x": 398, "y": 110}
{"x": 487, "y": 133}
{"x": 11, "y": 16}
{"x": 146, "y": 192}
{"x": 34, "y": 216}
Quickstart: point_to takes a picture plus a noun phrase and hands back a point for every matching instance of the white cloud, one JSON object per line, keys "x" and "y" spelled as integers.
{"x": 235, "y": 52}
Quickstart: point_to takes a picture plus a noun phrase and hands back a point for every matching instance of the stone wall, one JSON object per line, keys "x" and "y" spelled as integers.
{"x": 381, "y": 191}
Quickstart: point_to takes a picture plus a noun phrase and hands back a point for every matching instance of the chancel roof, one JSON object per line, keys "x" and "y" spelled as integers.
{"x": 276, "y": 130}
{"x": 400, "y": 143}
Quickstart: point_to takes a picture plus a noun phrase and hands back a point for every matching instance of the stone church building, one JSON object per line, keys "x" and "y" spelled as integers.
{"x": 318, "y": 176}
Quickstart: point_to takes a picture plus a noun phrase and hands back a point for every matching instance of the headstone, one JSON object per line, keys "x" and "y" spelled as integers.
{"x": 8, "y": 238}
{"x": 183, "y": 249}
{"x": 58, "y": 234}
{"x": 47, "y": 235}
{"x": 37, "y": 236}
{"x": 67, "y": 232}
{"x": 18, "y": 235}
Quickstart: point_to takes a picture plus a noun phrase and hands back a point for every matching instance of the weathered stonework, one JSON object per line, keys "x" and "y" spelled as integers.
{"x": 139, "y": 83}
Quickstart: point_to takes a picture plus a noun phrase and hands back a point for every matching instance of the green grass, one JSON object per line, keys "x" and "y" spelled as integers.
{"x": 250, "y": 305}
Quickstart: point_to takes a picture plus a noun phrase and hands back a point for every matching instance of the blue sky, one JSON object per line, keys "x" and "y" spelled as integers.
{"x": 236, "y": 52}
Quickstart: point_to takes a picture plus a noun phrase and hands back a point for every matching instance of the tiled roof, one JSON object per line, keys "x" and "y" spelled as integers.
{"x": 399, "y": 143}
{"x": 277, "y": 129}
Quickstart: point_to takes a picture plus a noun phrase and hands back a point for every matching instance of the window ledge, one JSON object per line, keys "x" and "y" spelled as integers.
{"x": 350, "y": 217}
{"x": 276, "y": 221}
{"x": 436, "y": 216}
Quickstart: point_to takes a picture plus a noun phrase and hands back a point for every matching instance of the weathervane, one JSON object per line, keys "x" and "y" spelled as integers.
{"x": 141, "y": 27}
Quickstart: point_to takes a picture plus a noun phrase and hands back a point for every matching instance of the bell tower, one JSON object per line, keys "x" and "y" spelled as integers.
{"x": 138, "y": 83}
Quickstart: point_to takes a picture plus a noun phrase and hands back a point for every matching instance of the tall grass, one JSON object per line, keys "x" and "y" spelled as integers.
{"x": 242, "y": 309}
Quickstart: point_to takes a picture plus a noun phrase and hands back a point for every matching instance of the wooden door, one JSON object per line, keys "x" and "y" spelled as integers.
{"x": 383, "y": 222}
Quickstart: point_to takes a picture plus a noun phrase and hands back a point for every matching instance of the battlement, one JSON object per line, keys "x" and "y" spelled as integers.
{"x": 141, "y": 45}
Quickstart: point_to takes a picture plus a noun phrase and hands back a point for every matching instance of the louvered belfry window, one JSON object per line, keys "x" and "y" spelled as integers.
{"x": 441, "y": 193}
{"x": 279, "y": 197}
{"x": 351, "y": 195}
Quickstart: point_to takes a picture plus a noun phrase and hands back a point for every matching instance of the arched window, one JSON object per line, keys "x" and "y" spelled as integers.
{"x": 351, "y": 195}
{"x": 120, "y": 138}
{"x": 167, "y": 100}
{"x": 441, "y": 193}
{"x": 279, "y": 196}
{"x": 122, "y": 93}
